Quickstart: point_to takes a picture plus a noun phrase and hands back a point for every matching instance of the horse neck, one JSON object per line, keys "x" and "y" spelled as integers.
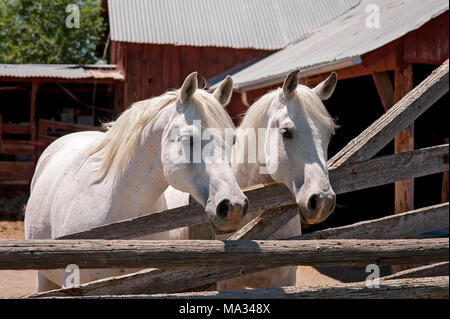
{"x": 141, "y": 181}
{"x": 248, "y": 174}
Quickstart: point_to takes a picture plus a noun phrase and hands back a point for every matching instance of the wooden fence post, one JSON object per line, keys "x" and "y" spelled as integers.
{"x": 404, "y": 141}
{"x": 33, "y": 131}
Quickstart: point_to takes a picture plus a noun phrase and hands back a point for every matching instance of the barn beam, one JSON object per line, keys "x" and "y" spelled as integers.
{"x": 384, "y": 88}
{"x": 34, "y": 88}
{"x": 404, "y": 141}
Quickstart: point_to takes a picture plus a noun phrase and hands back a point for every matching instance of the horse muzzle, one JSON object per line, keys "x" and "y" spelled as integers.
{"x": 228, "y": 215}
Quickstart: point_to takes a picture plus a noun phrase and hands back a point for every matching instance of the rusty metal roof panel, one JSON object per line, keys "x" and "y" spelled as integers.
{"x": 341, "y": 42}
{"x": 258, "y": 24}
{"x": 64, "y": 71}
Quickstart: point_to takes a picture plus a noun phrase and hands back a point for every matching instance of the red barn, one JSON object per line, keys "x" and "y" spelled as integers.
{"x": 157, "y": 43}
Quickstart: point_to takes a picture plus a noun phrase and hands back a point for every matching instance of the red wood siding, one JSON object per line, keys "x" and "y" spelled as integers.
{"x": 151, "y": 69}
{"x": 429, "y": 44}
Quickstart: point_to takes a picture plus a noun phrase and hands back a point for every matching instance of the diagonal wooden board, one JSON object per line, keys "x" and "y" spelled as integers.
{"x": 375, "y": 172}
{"x": 396, "y": 119}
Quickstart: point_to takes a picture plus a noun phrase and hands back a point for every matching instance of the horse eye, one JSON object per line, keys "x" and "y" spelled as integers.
{"x": 286, "y": 133}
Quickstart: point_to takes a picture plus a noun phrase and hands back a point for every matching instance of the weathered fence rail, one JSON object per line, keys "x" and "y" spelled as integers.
{"x": 403, "y": 225}
{"x": 174, "y": 280}
{"x": 433, "y": 270}
{"x": 420, "y": 288}
{"x": 396, "y": 119}
{"x": 56, "y": 254}
{"x": 416, "y": 288}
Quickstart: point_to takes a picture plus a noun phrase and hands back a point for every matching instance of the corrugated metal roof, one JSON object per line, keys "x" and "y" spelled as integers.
{"x": 64, "y": 71}
{"x": 341, "y": 42}
{"x": 258, "y": 24}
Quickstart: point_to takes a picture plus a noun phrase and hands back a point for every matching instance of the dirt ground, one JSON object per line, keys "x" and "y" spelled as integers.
{"x": 15, "y": 283}
{"x": 19, "y": 283}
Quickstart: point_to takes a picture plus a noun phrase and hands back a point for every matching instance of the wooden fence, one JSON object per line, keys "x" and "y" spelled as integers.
{"x": 48, "y": 131}
{"x": 187, "y": 265}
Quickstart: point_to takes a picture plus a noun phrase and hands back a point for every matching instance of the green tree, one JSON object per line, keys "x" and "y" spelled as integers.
{"x": 35, "y": 31}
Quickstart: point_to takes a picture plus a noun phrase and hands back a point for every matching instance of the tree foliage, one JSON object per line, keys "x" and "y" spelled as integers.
{"x": 35, "y": 31}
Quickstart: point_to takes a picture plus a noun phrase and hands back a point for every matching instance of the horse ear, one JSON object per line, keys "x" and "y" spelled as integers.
{"x": 290, "y": 83}
{"x": 224, "y": 91}
{"x": 189, "y": 87}
{"x": 326, "y": 88}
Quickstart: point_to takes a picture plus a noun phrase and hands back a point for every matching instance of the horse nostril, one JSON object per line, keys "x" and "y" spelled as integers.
{"x": 312, "y": 203}
{"x": 223, "y": 208}
{"x": 245, "y": 208}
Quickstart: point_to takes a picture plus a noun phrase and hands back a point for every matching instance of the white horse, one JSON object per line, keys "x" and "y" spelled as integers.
{"x": 88, "y": 179}
{"x": 295, "y": 118}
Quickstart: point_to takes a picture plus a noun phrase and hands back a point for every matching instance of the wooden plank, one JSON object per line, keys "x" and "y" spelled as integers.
{"x": 145, "y": 225}
{"x": 416, "y": 288}
{"x": 403, "y": 225}
{"x": 266, "y": 224}
{"x": 15, "y": 147}
{"x": 67, "y": 126}
{"x": 17, "y": 129}
{"x": 152, "y": 281}
{"x": 16, "y": 171}
{"x": 425, "y": 45}
{"x": 387, "y": 169}
{"x": 57, "y": 254}
{"x": 379, "y": 55}
{"x": 176, "y": 280}
{"x": 261, "y": 196}
{"x": 399, "y": 117}
{"x": 404, "y": 141}
{"x": 46, "y": 140}
{"x": 388, "y": 62}
{"x": 34, "y": 89}
{"x": 379, "y": 171}
{"x": 384, "y": 88}
{"x": 409, "y": 288}
{"x": 433, "y": 270}
{"x": 200, "y": 231}
{"x": 1, "y": 131}
{"x": 445, "y": 186}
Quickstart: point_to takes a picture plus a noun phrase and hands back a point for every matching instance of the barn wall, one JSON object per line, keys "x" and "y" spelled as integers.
{"x": 429, "y": 44}
{"x": 153, "y": 69}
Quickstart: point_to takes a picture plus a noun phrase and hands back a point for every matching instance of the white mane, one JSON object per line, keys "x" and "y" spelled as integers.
{"x": 123, "y": 134}
{"x": 308, "y": 100}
